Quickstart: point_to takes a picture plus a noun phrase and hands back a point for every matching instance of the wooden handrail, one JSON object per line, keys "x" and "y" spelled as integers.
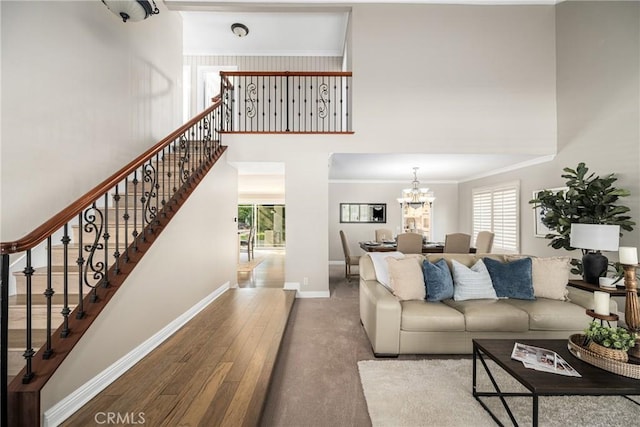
{"x": 67, "y": 214}
{"x": 288, "y": 73}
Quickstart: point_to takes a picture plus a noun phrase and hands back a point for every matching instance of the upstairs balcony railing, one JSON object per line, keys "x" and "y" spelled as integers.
{"x": 66, "y": 270}
{"x": 286, "y": 102}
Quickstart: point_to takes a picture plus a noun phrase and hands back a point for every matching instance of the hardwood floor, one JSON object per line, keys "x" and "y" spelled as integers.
{"x": 269, "y": 273}
{"x": 214, "y": 371}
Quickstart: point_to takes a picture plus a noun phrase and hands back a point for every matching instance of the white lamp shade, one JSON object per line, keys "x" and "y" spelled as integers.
{"x": 599, "y": 237}
{"x": 628, "y": 255}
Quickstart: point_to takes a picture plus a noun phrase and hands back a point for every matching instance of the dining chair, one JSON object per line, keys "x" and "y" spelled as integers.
{"x": 383, "y": 234}
{"x": 410, "y": 243}
{"x": 249, "y": 243}
{"x": 484, "y": 242}
{"x": 349, "y": 259}
{"x": 457, "y": 243}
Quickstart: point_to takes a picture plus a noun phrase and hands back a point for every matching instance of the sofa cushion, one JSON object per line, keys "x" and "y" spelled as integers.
{"x": 487, "y": 315}
{"x": 511, "y": 279}
{"x": 438, "y": 280}
{"x": 471, "y": 283}
{"x": 405, "y": 276}
{"x": 424, "y": 316}
{"x": 553, "y": 315}
{"x": 550, "y": 276}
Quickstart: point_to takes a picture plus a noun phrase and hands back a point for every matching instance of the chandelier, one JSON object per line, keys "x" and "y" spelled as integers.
{"x": 415, "y": 197}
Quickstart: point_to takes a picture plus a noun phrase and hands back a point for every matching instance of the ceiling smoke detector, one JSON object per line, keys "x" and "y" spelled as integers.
{"x": 239, "y": 30}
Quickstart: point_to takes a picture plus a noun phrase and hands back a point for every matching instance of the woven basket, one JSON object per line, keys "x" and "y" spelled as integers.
{"x": 586, "y": 355}
{"x": 609, "y": 353}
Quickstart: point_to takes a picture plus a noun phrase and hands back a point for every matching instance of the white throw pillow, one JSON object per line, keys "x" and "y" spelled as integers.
{"x": 381, "y": 267}
{"x": 550, "y": 276}
{"x": 472, "y": 283}
{"x": 407, "y": 280}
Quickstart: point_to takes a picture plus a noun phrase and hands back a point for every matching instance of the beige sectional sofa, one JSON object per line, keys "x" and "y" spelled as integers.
{"x": 395, "y": 326}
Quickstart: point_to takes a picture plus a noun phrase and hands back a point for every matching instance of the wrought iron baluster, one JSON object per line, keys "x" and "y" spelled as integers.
{"x": 106, "y": 236}
{"x": 116, "y": 206}
{"x": 126, "y": 218}
{"x": 48, "y": 294}
{"x": 286, "y": 106}
{"x": 28, "y": 352}
{"x": 164, "y": 183}
{"x": 65, "y": 282}
{"x": 143, "y": 206}
{"x": 135, "y": 211}
{"x": 300, "y": 122}
{"x": 80, "y": 262}
{"x": 348, "y": 105}
{"x": 279, "y": 108}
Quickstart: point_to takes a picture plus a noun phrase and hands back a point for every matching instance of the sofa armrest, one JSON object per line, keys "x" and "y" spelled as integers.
{"x": 380, "y": 314}
{"x": 585, "y": 299}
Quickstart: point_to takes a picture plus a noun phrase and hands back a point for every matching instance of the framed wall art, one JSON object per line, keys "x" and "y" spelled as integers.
{"x": 363, "y": 212}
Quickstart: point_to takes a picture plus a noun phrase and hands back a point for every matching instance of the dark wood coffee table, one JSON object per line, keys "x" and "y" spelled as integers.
{"x": 594, "y": 381}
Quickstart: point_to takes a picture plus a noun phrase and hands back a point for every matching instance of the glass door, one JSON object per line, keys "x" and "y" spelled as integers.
{"x": 269, "y": 221}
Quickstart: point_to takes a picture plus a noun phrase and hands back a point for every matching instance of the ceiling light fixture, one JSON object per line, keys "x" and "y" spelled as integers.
{"x": 415, "y": 197}
{"x": 239, "y": 30}
{"x": 132, "y": 10}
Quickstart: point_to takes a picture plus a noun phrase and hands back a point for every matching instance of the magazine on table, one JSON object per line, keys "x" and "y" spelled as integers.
{"x": 542, "y": 359}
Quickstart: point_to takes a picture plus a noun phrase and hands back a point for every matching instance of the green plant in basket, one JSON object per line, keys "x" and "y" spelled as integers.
{"x": 617, "y": 338}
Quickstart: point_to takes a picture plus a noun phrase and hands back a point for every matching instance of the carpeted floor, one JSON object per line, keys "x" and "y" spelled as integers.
{"x": 438, "y": 392}
{"x": 316, "y": 381}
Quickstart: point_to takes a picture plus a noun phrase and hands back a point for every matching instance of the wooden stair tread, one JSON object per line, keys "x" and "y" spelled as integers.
{"x": 17, "y": 338}
{"x": 57, "y": 299}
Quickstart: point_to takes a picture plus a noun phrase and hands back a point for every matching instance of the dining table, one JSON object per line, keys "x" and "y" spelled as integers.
{"x": 427, "y": 248}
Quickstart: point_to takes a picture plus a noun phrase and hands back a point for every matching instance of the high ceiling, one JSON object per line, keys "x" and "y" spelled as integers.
{"x": 318, "y": 28}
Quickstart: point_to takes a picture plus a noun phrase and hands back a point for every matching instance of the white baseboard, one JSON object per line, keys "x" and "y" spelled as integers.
{"x": 295, "y": 286}
{"x": 316, "y": 294}
{"x": 62, "y": 410}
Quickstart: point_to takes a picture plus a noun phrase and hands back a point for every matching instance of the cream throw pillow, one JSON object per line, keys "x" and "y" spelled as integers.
{"x": 407, "y": 280}
{"x": 550, "y": 276}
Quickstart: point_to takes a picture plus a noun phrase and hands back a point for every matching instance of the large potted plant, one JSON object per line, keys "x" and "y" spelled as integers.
{"x": 588, "y": 199}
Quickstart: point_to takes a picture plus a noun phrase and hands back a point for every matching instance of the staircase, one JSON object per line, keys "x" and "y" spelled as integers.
{"x": 74, "y": 263}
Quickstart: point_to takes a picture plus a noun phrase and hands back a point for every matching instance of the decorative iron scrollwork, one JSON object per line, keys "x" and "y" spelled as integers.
{"x": 323, "y": 101}
{"x": 252, "y": 94}
{"x": 94, "y": 224}
{"x": 150, "y": 176}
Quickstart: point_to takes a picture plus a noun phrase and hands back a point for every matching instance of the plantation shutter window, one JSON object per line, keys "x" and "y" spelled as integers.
{"x": 496, "y": 209}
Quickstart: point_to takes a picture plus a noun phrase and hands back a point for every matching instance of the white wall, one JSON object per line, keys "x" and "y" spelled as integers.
{"x": 190, "y": 259}
{"x": 598, "y": 49}
{"x": 444, "y": 219}
{"x": 305, "y": 161}
{"x": 86, "y": 94}
{"x": 454, "y": 78}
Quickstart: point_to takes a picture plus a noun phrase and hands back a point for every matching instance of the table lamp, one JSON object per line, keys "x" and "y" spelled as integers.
{"x": 593, "y": 238}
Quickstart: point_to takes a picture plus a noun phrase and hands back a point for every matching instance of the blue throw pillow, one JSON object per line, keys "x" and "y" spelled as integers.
{"x": 437, "y": 280}
{"x": 511, "y": 279}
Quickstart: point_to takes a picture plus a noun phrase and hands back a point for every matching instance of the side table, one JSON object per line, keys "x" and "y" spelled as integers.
{"x": 581, "y": 284}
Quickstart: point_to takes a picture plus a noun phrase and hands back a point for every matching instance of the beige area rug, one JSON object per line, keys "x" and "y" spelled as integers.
{"x": 249, "y": 266}
{"x": 413, "y": 393}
